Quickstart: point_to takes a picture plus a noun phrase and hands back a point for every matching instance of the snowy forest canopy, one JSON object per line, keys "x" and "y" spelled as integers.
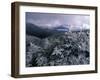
{"x": 53, "y": 40}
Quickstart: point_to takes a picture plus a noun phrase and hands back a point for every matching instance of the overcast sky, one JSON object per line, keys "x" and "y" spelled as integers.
{"x": 50, "y": 20}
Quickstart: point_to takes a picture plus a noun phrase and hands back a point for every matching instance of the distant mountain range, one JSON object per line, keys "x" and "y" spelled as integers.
{"x": 41, "y": 32}
{"x": 38, "y": 31}
{"x": 61, "y": 28}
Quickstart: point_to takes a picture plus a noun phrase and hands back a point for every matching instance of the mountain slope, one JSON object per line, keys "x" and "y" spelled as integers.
{"x": 71, "y": 48}
{"x": 41, "y": 32}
